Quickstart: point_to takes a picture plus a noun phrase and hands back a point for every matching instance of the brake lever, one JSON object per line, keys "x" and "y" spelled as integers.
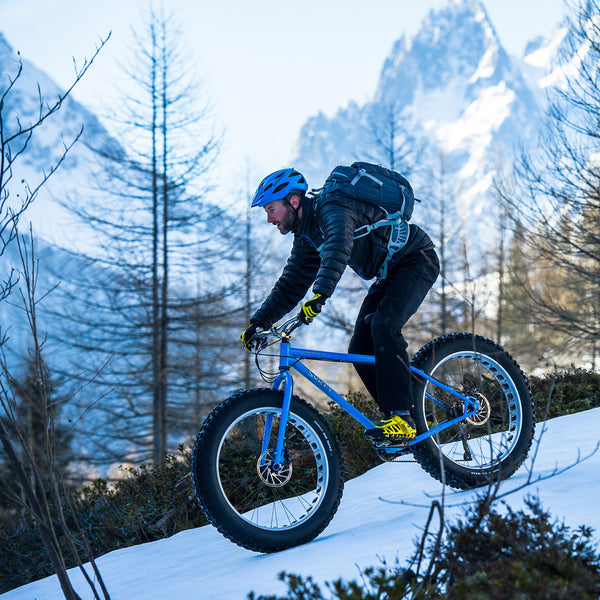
{"x": 282, "y": 332}
{"x": 293, "y": 327}
{"x": 261, "y": 343}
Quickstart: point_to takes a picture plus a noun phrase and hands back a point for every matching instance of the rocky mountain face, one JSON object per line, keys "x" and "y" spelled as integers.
{"x": 33, "y": 91}
{"x": 465, "y": 102}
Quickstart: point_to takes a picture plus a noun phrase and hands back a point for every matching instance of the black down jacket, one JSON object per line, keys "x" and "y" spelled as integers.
{"x": 324, "y": 246}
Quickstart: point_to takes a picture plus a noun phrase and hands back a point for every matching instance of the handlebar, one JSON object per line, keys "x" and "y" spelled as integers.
{"x": 280, "y": 332}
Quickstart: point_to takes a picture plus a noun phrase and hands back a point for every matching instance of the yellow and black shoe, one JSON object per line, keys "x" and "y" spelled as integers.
{"x": 395, "y": 431}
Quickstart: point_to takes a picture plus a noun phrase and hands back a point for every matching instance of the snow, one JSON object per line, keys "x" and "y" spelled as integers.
{"x": 546, "y": 52}
{"x": 380, "y": 515}
{"x": 474, "y": 129}
{"x": 440, "y": 106}
{"x": 487, "y": 66}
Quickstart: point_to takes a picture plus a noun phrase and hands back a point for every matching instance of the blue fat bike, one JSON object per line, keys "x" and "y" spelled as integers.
{"x": 267, "y": 468}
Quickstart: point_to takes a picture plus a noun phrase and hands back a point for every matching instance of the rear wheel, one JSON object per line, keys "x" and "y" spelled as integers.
{"x": 254, "y": 502}
{"x": 489, "y": 445}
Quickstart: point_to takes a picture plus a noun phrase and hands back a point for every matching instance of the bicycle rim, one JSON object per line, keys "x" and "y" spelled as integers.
{"x": 480, "y": 442}
{"x": 264, "y": 498}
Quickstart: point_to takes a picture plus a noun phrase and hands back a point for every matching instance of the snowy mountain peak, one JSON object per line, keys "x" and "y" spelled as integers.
{"x": 458, "y": 94}
{"x": 457, "y": 41}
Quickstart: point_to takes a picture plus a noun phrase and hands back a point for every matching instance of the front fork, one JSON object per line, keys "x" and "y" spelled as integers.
{"x": 284, "y": 378}
{"x": 287, "y": 378}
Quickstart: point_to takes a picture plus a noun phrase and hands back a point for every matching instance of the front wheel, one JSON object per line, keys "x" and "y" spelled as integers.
{"x": 487, "y": 446}
{"x": 257, "y": 504}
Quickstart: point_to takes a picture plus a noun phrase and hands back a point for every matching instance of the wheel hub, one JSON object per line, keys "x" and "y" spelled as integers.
{"x": 272, "y": 474}
{"x": 482, "y": 416}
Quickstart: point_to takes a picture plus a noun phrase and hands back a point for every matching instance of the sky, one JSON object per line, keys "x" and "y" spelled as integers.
{"x": 381, "y": 513}
{"x": 267, "y": 65}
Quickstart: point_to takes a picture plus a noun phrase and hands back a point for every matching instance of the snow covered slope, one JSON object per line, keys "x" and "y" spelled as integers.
{"x": 380, "y": 515}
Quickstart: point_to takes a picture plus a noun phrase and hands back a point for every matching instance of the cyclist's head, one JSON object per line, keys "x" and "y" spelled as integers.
{"x": 279, "y": 186}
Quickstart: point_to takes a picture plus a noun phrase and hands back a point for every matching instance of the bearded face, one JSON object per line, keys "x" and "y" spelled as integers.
{"x": 281, "y": 215}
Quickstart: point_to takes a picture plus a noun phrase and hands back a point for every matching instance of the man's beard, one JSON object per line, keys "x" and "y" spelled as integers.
{"x": 288, "y": 221}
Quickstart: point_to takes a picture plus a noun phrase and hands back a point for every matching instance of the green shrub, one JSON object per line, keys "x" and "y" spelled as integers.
{"x": 359, "y": 455}
{"x": 569, "y": 392}
{"x": 146, "y": 505}
{"x": 486, "y": 555}
{"x": 521, "y": 554}
{"x": 24, "y": 558}
{"x": 150, "y": 503}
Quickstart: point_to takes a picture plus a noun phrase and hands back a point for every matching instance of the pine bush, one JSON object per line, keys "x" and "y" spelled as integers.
{"x": 569, "y": 392}
{"x": 358, "y": 453}
{"x": 147, "y": 504}
{"x": 485, "y": 555}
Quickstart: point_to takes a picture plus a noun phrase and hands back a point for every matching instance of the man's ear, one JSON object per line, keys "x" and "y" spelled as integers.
{"x": 295, "y": 201}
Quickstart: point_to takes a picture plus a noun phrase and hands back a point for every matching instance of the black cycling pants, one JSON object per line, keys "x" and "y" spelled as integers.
{"x": 378, "y": 330}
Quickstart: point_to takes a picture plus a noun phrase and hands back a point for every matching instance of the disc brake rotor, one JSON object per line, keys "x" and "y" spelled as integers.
{"x": 481, "y": 417}
{"x": 270, "y": 474}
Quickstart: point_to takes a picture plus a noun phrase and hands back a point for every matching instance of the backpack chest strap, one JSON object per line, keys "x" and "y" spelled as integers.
{"x": 388, "y": 220}
{"x": 400, "y": 230}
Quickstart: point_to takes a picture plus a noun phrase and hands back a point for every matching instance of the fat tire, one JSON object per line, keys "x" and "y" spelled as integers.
{"x": 208, "y": 490}
{"x": 427, "y": 452}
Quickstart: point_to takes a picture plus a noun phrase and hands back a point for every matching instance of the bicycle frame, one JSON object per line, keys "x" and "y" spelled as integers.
{"x": 290, "y": 360}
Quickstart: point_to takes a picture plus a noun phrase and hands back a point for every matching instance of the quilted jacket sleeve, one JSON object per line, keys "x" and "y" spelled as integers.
{"x": 338, "y": 219}
{"x": 295, "y": 280}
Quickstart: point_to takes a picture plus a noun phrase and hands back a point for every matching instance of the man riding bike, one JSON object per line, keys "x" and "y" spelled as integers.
{"x": 324, "y": 245}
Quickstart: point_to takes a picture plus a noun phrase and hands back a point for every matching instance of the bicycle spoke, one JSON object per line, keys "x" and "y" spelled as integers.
{"x": 265, "y": 497}
{"x": 485, "y": 437}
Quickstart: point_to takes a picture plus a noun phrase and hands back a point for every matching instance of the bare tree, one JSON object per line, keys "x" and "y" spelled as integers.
{"x": 34, "y": 401}
{"x": 155, "y": 279}
{"x": 36, "y": 479}
{"x": 444, "y": 226}
{"x": 559, "y": 200}
{"x": 259, "y": 269}
{"x": 390, "y": 137}
{"x": 38, "y": 487}
{"x": 16, "y": 134}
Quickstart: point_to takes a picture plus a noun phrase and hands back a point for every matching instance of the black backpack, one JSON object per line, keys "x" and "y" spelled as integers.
{"x": 381, "y": 187}
{"x": 373, "y": 184}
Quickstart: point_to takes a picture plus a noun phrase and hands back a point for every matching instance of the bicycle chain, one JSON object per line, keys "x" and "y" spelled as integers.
{"x": 396, "y": 458}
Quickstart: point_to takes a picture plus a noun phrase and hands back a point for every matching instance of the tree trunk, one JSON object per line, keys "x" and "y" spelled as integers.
{"x": 156, "y": 343}
{"x": 164, "y": 299}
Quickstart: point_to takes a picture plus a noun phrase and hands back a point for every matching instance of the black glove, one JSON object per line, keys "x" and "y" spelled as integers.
{"x": 248, "y": 334}
{"x": 311, "y": 308}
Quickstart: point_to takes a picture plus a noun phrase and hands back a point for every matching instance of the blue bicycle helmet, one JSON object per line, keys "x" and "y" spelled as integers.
{"x": 278, "y": 185}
